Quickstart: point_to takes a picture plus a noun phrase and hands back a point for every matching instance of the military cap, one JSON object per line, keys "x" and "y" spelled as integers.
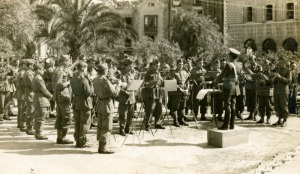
{"x": 81, "y": 64}
{"x": 64, "y": 58}
{"x": 127, "y": 62}
{"x": 38, "y": 66}
{"x": 30, "y": 61}
{"x": 234, "y": 51}
{"x": 103, "y": 66}
{"x": 180, "y": 61}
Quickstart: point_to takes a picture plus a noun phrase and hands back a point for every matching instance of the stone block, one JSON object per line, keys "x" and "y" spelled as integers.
{"x": 226, "y": 138}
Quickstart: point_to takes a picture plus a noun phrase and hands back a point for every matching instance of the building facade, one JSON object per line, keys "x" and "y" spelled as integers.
{"x": 264, "y": 25}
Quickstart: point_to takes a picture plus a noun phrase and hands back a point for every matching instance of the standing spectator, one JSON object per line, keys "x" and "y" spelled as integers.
{"x": 105, "y": 92}
{"x": 28, "y": 77}
{"x": 282, "y": 78}
{"x": 62, "y": 96}
{"x": 82, "y": 89}
{"x": 40, "y": 102}
{"x": 293, "y": 89}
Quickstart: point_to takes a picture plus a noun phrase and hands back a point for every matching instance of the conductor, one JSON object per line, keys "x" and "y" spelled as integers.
{"x": 231, "y": 89}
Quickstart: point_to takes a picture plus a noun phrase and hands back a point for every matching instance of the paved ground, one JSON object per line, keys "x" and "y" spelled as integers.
{"x": 270, "y": 149}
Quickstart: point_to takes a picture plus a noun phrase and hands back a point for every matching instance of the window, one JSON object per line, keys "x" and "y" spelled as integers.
{"x": 151, "y": 4}
{"x": 290, "y": 11}
{"x": 249, "y": 14}
{"x": 269, "y": 45}
{"x": 128, "y": 20}
{"x": 290, "y": 44}
{"x": 128, "y": 43}
{"x": 269, "y": 12}
{"x": 150, "y": 24}
{"x": 198, "y": 2}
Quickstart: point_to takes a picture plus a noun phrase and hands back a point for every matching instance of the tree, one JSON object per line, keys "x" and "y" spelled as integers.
{"x": 80, "y": 23}
{"x": 197, "y": 35}
{"x": 18, "y": 25}
{"x": 166, "y": 51}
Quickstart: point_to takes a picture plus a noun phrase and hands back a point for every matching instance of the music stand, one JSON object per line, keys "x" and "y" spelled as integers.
{"x": 169, "y": 86}
{"x": 135, "y": 85}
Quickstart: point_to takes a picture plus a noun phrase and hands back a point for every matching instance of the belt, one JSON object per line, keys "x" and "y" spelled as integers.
{"x": 103, "y": 99}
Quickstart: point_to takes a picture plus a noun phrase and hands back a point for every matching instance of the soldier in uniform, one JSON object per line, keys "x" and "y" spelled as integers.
{"x": 21, "y": 95}
{"x": 126, "y": 98}
{"x": 293, "y": 89}
{"x": 40, "y": 102}
{"x": 153, "y": 94}
{"x": 265, "y": 93}
{"x": 250, "y": 68}
{"x": 177, "y": 99}
{"x": 82, "y": 89}
{"x": 105, "y": 92}
{"x": 92, "y": 73}
{"x": 48, "y": 74}
{"x": 198, "y": 84}
{"x": 230, "y": 90}
{"x": 282, "y": 78}
{"x": 28, "y": 77}
{"x": 62, "y": 96}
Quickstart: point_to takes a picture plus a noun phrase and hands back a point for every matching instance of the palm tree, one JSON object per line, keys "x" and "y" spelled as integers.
{"x": 79, "y": 23}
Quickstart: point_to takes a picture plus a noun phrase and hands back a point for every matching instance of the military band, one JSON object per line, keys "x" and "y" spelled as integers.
{"x": 90, "y": 91}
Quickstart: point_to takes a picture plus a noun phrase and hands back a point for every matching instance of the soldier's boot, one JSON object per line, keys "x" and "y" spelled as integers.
{"x": 239, "y": 115}
{"x": 232, "y": 120}
{"x": 219, "y": 117}
{"x": 29, "y": 131}
{"x": 40, "y": 136}
{"x": 284, "y": 123}
{"x": 59, "y": 137}
{"x": 128, "y": 130}
{"x": 6, "y": 117}
{"x": 250, "y": 117}
{"x": 64, "y": 140}
{"x": 181, "y": 119}
{"x": 103, "y": 149}
{"x": 268, "y": 120}
{"x": 1, "y": 117}
{"x": 262, "y": 120}
{"x": 202, "y": 118}
{"x": 175, "y": 118}
{"x": 122, "y": 131}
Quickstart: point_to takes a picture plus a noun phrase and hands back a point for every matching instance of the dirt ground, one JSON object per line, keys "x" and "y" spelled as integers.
{"x": 184, "y": 150}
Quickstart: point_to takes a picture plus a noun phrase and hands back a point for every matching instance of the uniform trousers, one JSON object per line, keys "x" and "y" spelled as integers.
{"x": 21, "y": 113}
{"x": 229, "y": 106}
{"x": 63, "y": 115}
{"x": 29, "y": 115}
{"x": 40, "y": 115}
{"x": 153, "y": 107}
{"x": 126, "y": 112}
{"x": 264, "y": 106}
{"x": 281, "y": 105}
{"x": 105, "y": 122}
{"x": 82, "y": 125}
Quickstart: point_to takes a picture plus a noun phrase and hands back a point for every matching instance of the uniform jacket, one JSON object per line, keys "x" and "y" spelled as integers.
{"x": 126, "y": 97}
{"x": 152, "y": 88}
{"x": 104, "y": 91}
{"x": 249, "y": 69}
{"x": 281, "y": 84}
{"x": 48, "y": 74}
{"x": 230, "y": 81}
{"x": 198, "y": 82}
{"x": 82, "y": 89}
{"x": 5, "y": 78}
{"x": 265, "y": 88}
{"x": 181, "y": 77}
{"x": 61, "y": 85}
{"x": 41, "y": 94}
{"x": 28, "y": 77}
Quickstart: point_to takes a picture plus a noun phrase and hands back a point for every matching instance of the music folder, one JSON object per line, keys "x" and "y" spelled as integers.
{"x": 135, "y": 85}
{"x": 170, "y": 85}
